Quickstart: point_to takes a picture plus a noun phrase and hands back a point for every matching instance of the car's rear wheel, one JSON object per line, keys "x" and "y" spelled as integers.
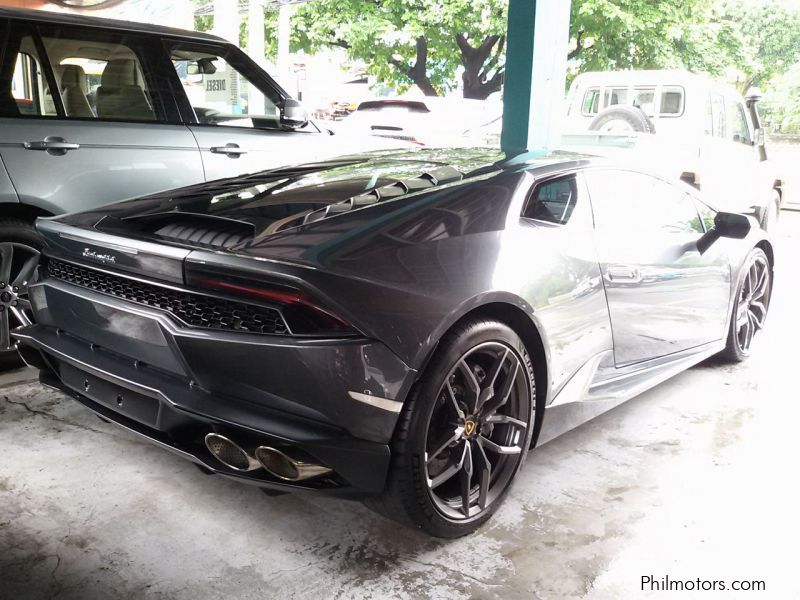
{"x": 19, "y": 255}
{"x": 463, "y": 433}
{"x": 750, "y": 306}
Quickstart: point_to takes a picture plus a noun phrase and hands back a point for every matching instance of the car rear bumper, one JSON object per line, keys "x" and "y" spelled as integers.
{"x": 334, "y": 401}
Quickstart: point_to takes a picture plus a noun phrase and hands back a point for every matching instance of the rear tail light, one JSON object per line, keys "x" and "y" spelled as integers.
{"x": 304, "y": 314}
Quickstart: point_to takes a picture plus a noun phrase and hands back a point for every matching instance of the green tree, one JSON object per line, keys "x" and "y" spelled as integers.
{"x": 413, "y": 41}
{"x": 421, "y": 42}
{"x": 640, "y": 34}
{"x": 781, "y": 106}
{"x": 768, "y": 39}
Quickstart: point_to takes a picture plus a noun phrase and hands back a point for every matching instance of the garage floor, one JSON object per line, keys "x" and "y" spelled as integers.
{"x": 697, "y": 478}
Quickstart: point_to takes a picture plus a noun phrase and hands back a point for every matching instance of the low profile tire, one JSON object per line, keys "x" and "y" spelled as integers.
{"x": 750, "y": 307}
{"x": 622, "y": 119}
{"x": 769, "y": 219}
{"x": 19, "y": 255}
{"x": 464, "y": 432}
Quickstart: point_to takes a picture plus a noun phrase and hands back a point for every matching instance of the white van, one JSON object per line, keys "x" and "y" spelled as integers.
{"x": 688, "y": 125}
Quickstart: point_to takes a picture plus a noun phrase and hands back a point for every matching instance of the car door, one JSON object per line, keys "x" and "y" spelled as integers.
{"x": 232, "y": 108}
{"x": 663, "y": 296}
{"x": 86, "y": 122}
{"x": 728, "y": 158}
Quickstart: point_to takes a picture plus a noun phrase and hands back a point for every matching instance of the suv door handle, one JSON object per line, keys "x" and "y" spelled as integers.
{"x": 55, "y": 146}
{"x": 621, "y": 273}
{"x": 231, "y": 150}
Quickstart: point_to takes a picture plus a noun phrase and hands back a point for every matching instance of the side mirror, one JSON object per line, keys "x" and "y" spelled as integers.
{"x": 293, "y": 114}
{"x": 729, "y": 225}
{"x": 753, "y": 96}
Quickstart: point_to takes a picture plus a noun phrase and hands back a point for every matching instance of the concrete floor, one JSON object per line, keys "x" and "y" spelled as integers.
{"x": 695, "y": 479}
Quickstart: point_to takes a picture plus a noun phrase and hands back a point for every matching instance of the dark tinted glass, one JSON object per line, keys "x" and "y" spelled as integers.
{"x": 553, "y": 201}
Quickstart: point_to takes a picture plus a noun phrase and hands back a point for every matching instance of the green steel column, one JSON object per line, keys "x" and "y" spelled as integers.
{"x": 535, "y": 74}
{"x": 518, "y": 75}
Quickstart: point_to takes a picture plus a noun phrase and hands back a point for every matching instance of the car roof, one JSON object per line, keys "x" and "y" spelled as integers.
{"x": 60, "y": 18}
{"x": 640, "y": 77}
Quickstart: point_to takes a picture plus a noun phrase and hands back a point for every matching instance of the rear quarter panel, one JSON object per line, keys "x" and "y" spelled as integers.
{"x": 407, "y": 276}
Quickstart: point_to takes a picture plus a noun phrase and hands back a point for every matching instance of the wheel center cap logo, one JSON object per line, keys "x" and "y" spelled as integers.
{"x": 469, "y": 427}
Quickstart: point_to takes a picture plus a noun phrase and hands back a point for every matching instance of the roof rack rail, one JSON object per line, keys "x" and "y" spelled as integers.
{"x": 429, "y": 179}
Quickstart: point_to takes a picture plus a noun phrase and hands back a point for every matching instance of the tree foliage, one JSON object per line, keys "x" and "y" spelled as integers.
{"x": 413, "y": 41}
{"x": 431, "y": 43}
{"x": 640, "y": 34}
{"x": 768, "y": 39}
{"x": 781, "y": 107}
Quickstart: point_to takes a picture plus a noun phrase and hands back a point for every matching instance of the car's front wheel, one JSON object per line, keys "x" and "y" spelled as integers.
{"x": 750, "y": 306}
{"x": 19, "y": 255}
{"x": 463, "y": 433}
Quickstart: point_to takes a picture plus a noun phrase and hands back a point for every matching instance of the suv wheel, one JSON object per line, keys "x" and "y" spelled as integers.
{"x": 19, "y": 256}
{"x": 769, "y": 218}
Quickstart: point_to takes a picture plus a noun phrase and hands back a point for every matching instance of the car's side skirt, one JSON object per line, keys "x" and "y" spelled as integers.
{"x": 590, "y": 392}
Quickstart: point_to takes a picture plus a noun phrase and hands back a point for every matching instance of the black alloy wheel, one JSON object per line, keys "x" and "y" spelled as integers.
{"x": 477, "y": 431}
{"x": 751, "y": 306}
{"x": 17, "y": 267}
{"x": 464, "y": 432}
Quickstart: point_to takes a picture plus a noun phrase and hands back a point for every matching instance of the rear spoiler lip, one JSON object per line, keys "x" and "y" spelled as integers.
{"x": 95, "y": 248}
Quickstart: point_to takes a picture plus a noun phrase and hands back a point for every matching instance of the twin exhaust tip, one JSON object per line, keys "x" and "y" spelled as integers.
{"x": 270, "y": 459}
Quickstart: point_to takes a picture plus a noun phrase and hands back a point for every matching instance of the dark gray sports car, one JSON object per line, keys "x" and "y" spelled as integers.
{"x": 400, "y": 327}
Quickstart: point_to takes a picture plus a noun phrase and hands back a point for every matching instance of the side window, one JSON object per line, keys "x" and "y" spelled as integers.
{"x": 718, "y": 120}
{"x": 740, "y": 131}
{"x": 706, "y": 213}
{"x": 615, "y": 96}
{"x": 672, "y": 101}
{"x": 553, "y": 201}
{"x": 30, "y": 93}
{"x": 221, "y": 94}
{"x": 100, "y": 78}
{"x": 591, "y": 101}
{"x": 625, "y": 201}
{"x": 644, "y": 99}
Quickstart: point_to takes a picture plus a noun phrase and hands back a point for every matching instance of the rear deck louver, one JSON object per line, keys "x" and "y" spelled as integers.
{"x": 433, "y": 178}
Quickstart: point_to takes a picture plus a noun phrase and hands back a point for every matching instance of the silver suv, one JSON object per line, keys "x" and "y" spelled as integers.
{"x": 94, "y": 111}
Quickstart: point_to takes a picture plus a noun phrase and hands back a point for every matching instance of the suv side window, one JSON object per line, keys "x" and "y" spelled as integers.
{"x": 101, "y": 76}
{"x": 24, "y": 89}
{"x": 625, "y": 200}
{"x": 591, "y": 101}
{"x": 740, "y": 131}
{"x": 220, "y": 93}
{"x": 718, "y": 120}
{"x": 553, "y": 201}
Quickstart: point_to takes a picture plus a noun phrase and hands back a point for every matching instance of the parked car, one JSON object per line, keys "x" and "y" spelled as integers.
{"x": 433, "y": 122}
{"x": 401, "y": 328}
{"x": 136, "y": 109}
{"x": 694, "y": 128}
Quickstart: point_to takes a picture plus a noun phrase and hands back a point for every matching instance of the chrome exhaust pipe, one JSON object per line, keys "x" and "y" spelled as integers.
{"x": 229, "y": 453}
{"x": 287, "y": 468}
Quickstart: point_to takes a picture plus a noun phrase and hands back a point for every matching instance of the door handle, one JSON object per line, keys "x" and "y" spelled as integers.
{"x": 231, "y": 150}
{"x": 55, "y": 146}
{"x": 626, "y": 274}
